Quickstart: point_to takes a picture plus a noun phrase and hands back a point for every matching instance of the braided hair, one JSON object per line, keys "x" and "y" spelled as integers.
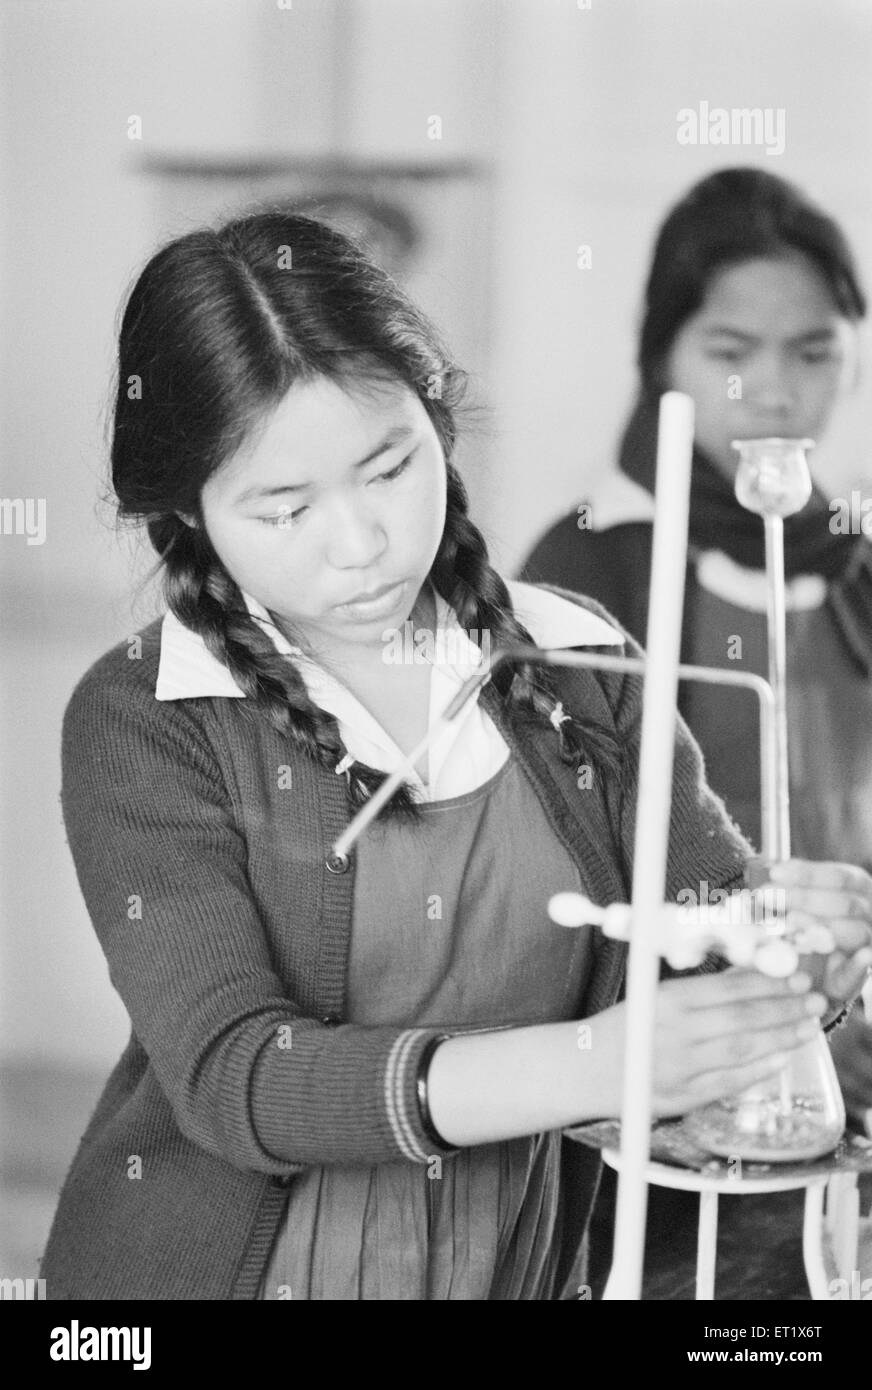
{"x": 218, "y": 327}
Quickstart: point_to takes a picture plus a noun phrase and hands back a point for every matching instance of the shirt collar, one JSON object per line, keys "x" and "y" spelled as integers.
{"x": 187, "y": 669}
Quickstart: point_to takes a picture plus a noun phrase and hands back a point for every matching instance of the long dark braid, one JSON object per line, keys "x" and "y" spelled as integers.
{"x": 464, "y": 576}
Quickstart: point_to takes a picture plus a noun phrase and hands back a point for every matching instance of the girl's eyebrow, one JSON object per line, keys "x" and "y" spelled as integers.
{"x": 721, "y": 330}
{"x": 400, "y": 434}
{"x": 815, "y": 335}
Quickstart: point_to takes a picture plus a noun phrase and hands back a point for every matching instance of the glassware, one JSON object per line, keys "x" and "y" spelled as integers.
{"x": 798, "y": 1113}
{"x": 773, "y": 477}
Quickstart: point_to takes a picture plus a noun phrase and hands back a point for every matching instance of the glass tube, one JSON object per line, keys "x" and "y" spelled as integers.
{"x": 798, "y": 1113}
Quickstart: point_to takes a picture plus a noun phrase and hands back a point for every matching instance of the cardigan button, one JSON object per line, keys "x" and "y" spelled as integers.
{"x": 331, "y": 1020}
{"x": 337, "y": 863}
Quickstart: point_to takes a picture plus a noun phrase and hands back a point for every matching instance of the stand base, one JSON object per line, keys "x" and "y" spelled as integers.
{"x": 832, "y": 1238}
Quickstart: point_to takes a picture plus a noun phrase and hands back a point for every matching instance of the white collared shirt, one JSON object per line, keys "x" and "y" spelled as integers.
{"x": 467, "y": 752}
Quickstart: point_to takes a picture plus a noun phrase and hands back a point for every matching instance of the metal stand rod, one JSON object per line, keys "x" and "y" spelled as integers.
{"x": 812, "y": 1241}
{"x": 707, "y": 1245}
{"x": 651, "y": 844}
{"x": 561, "y": 656}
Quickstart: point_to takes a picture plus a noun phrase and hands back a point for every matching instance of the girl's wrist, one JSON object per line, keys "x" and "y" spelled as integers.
{"x": 422, "y": 1087}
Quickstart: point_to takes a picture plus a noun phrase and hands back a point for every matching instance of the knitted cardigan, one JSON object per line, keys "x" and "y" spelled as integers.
{"x": 201, "y": 842}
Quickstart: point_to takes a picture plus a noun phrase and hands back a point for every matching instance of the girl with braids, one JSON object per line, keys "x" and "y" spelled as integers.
{"x": 349, "y": 1077}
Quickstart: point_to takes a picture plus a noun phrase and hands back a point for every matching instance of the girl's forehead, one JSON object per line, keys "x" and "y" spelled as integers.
{"x": 784, "y": 294}
{"x": 341, "y": 402}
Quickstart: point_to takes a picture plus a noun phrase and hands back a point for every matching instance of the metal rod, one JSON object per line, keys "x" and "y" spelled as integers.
{"x": 559, "y": 656}
{"x": 651, "y": 844}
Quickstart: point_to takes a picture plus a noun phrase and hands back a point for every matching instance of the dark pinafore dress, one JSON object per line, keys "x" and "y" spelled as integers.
{"x": 450, "y": 928}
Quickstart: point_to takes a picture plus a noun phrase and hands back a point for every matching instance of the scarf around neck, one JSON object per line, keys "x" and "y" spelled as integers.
{"x": 718, "y": 521}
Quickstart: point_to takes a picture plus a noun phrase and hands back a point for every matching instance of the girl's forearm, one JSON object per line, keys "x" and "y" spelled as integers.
{"x": 485, "y": 1087}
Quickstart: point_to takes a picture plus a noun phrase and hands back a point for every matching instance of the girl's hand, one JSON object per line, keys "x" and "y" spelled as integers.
{"x": 714, "y": 1035}
{"x": 839, "y": 896}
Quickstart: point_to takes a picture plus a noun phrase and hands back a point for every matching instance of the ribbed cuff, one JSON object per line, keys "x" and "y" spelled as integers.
{"x": 415, "y": 1140}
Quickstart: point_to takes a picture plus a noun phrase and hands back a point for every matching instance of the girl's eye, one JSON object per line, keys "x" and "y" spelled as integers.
{"x": 392, "y": 473}
{"x": 725, "y": 354}
{"x": 288, "y": 517}
{"x": 284, "y": 519}
{"x": 816, "y": 355}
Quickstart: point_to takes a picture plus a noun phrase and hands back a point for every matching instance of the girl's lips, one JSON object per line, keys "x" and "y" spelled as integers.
{"x": 377, "y": 607}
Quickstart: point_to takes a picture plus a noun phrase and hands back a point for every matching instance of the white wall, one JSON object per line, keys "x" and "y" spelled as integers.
{"x": 575, "y": 108}
{"x": 83, "y": 222}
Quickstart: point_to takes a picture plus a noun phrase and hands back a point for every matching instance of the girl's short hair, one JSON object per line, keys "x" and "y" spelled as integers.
{"x": 732, "y": 216}
{"x": 218, "y": 327}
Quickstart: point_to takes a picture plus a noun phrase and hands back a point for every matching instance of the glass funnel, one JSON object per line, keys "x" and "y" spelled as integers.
{"x": 773, "y": 478}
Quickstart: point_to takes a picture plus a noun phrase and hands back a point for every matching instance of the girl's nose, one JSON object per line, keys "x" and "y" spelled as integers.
{"x": 772, "y": 387}
{"x": 356, "y": 538}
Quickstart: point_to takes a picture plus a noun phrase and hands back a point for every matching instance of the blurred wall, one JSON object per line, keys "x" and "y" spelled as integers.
{"x": 572, "y": 109}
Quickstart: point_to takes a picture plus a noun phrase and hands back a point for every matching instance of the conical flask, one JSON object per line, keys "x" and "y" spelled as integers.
{"x": 798, "y": 1113}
